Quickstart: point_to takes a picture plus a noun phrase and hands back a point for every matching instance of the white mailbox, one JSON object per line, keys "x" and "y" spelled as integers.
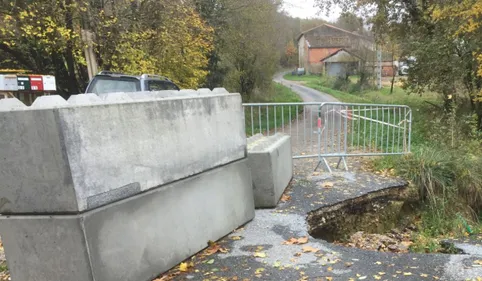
{"x": 49, "y": 83}
{"x": 8, "y": 82}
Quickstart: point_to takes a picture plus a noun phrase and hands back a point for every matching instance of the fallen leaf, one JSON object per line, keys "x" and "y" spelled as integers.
{"x": 423, "y": 275}
{"x": 296, "y": 241}
{"x": 407, "y": 273}
{"x": 329, "y": 278}
{"x": 377, "y": 277}
{"x": 285, "y": 198}
{"x": 183, "y": 266}
{"x": 362, "y": 277}
{"x": 479, "y": 262}
{"x": 214, "y": 248}
{"x": 328, "y": 184}
{"x": 308, "y": 249}
{"x": 277, "y": 264}
{"x": 378, "y": 262}
{"x": 211, "y": 261}
{"x": 259, "y": 270}
{"x": 236, "y": 238}
{"x": 260, "y": 255}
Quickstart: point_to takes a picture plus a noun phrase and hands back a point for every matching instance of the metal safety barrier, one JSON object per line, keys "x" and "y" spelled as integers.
{"x": 323, "y": 130}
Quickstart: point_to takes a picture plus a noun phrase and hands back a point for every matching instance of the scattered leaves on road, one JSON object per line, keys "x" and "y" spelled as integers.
{"x": 296, "y": 241}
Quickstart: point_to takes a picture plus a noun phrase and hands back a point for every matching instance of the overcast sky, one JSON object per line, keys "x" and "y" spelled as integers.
{"x": 306, "y": 9}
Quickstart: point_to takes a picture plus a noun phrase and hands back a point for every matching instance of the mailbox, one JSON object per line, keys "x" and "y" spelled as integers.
{"x": 8, "y": 82}
{"x": 23, "y": 83}
{"x": 36, "y": 83}
{"x": 49, "y": 83}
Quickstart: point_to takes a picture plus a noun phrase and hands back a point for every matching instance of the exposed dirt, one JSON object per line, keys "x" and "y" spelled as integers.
{"x": 376, "y": 212}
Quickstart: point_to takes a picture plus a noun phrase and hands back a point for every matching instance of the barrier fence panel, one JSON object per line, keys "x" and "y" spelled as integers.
{"x": 299, "y": 120}
{"x": 323, "y": 130}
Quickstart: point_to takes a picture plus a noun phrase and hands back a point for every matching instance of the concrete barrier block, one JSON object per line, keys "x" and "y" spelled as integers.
{"x": 165, "y": 94}
{"x": 142, "y": 96}
{"x": 116, "y": 98}
{"x": 204, "y": 92}
{"x": 271, "y": 164}
{"x": 134, "y": 239}
{"x": 79, "y": 158}
{"x": 11, "y": 104}
{"x": 220, "y": 91}
{"x": 84, "y": 99}
{"x": 188, "y": 93}
{"x": 54, "y": 101}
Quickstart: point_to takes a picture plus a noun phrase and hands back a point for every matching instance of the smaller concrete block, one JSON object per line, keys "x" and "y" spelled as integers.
{"x": 11, "y": 104}
{"x": 84, "y": 99}
{"x": 204, "y": 92}
{"x": 220, "y": 91}
{"x": 271, "y": 164}
{"x": 49, "y": 102}
{"x": 116, "y": 98}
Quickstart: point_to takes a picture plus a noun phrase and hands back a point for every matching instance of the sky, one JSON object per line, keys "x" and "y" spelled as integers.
{"x": 306, "y": 9}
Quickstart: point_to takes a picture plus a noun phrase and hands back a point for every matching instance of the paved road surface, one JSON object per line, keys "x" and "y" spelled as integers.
{"x": 307, "y": 94}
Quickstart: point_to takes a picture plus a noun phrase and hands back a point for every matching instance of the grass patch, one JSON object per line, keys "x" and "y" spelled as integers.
{"x": 261, "y": 119}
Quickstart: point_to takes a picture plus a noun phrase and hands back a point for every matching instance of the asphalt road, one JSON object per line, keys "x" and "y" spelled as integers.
{"x": 307, "y": 94}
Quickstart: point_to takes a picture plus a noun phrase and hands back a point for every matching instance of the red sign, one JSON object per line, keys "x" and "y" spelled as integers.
{"x": 36, "y": 83}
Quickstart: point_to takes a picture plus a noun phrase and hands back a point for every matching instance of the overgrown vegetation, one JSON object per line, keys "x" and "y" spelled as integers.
{"x": 445, "y": 165}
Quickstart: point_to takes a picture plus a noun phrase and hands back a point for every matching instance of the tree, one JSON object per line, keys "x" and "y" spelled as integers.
{"x": 243, "y": 59}
{"x": 153, "y": 36}
{"x": 291, "y": 54}
{"x": 351, "y": 22}
{"x": 443, "y": 36}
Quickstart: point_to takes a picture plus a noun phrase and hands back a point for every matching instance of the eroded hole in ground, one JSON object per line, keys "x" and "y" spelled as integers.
{"x": 378, "y": 221}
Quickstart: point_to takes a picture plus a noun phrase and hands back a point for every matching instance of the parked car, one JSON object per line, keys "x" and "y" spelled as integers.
{"x": 111, "y": 82}
{"x": 298, "y": 71}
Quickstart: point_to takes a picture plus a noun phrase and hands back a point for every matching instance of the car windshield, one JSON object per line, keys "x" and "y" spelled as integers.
{"x": 103, "y": 85}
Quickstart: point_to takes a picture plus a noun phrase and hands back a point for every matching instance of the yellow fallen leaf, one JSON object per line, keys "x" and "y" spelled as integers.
{"x": 183, "y": 267}
{"x": 381, "y": 273}
{"x": 260, "y": 255}
{"x": 259, "y": 270}
{"x": 423, "y": 275}
{"x": 329, "y": 278}
{"x": 330, "y": 268}
{"x": 378, "y": 262}
{"x": 362, "y": 278}
{"x": 236, "y": 238}
{"x": 377, "y": 277}
{"x": 407, "y": 273}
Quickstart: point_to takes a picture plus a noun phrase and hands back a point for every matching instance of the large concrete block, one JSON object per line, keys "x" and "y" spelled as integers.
{"x": 134, "y": 239}
{"x": 271, "y": 164}
{"x": 72, "y": 159}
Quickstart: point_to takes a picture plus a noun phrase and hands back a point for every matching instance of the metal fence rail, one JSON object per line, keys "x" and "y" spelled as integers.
{"x": 299, "y": 120}
{"x": 323, "y": 130}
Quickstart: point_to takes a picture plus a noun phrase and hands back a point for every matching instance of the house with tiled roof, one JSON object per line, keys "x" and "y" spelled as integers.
{"x": 332, "y": 51}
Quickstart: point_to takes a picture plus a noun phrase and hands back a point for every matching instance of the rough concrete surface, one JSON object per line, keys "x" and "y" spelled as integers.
{"x": 77, "y": 158}
{"x": 271, "y": 164}
{"x": 133, "y": 239}
{"x": 256, "y": 251}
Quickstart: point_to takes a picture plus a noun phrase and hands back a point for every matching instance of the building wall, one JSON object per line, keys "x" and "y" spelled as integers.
{"x": 317, "y": 54}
